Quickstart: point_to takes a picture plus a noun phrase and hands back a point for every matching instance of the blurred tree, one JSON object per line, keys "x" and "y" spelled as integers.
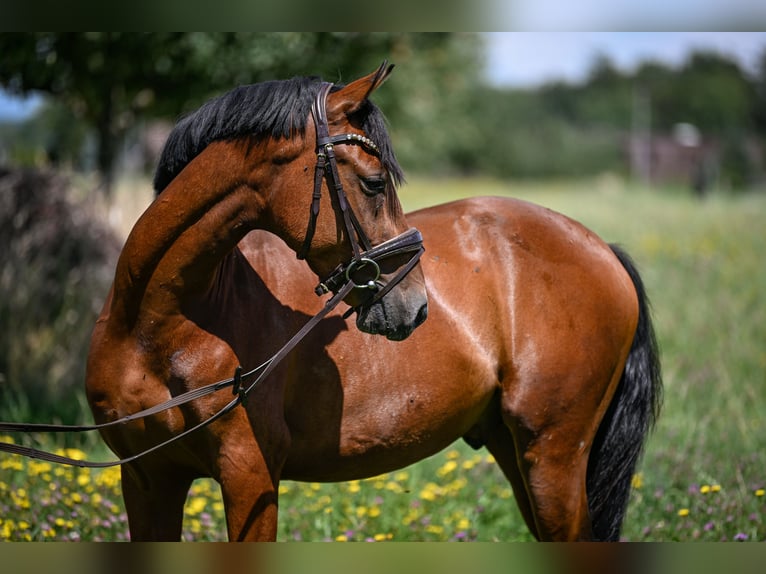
{"x": 111, "y": 79}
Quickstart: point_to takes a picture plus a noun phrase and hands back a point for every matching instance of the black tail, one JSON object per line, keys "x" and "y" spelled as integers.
{"x": 620, "y": 439}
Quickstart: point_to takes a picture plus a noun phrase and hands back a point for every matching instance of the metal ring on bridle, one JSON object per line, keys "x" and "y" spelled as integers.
{"x": 363, "y": 261}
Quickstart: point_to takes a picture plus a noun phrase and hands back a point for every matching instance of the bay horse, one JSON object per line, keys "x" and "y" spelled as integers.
{"x": 538, "y": 346}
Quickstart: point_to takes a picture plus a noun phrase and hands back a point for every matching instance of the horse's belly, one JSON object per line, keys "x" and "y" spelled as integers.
{"x": 382, "y": 424}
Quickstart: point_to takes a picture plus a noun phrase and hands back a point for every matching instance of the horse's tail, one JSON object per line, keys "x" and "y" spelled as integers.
{"x": 620, "y": 439}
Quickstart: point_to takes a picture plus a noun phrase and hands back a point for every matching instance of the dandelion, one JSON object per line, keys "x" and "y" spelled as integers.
{"x": 341, "y": 538}
{"x": 760, "y": 492}
{"x": 715, "y": 488}
{"x": 637, "y": 481}
{"x": 683, "y": 512}
{"x": 704, "y": 489}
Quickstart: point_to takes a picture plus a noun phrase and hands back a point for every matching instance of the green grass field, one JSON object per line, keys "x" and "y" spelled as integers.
{"x": 704, "y": 473}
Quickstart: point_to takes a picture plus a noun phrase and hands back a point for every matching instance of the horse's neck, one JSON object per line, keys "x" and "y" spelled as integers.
{"x": 175, "y": 247}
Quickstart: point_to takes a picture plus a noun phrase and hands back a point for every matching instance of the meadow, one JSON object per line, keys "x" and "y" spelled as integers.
{"x": 703, "y": 476}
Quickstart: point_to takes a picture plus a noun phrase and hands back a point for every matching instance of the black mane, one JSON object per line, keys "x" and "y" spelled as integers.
{"x": 274, "y": 109}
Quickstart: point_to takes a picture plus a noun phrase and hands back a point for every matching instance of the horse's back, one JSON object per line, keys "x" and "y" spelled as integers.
{"x": 535, "y": 258}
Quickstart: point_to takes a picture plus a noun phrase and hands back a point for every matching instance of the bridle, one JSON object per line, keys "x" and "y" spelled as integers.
{"x": 364, "y": 255}
{"x": 362, "y": 271}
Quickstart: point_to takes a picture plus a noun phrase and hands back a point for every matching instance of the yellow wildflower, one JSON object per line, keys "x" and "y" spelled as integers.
{"x": 196, "y": 505}
{"x": 447, "y": 468}
{"x": 637, "y": 481}
{"x": 760, "y": 492}
{"x": 683, "y": 512}
{"x": 394, "y": 487}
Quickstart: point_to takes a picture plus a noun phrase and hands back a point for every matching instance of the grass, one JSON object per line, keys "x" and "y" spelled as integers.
{"x": 704, "y": 473}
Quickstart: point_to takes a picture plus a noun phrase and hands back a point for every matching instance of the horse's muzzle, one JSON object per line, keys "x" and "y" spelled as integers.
{"x": 395, "y": 316}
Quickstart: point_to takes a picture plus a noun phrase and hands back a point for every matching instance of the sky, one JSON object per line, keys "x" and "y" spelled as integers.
{"x": 523, "y": 59}
{"x": 531, "y": 58}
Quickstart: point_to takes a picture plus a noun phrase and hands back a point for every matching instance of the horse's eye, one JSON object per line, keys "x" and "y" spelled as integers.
{"x": 373, "y": 185}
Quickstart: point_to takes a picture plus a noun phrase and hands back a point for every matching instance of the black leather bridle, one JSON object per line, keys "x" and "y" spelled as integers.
{"x": 364, "y": 267}
{"x": 362, "y": 271}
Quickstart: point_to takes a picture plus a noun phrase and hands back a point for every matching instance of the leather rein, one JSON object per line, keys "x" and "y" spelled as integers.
{"x": 362, "y": 271}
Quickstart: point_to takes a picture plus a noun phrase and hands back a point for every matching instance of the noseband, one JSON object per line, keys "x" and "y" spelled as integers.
{"x": 363, "y": 270}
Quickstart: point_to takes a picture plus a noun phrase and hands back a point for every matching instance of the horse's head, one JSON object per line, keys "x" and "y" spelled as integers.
{"x": 334, "y": 202}
{"x": 312, "y": 163}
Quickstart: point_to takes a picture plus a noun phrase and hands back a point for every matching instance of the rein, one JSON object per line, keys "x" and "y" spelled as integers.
{"x": 355, "y": 274}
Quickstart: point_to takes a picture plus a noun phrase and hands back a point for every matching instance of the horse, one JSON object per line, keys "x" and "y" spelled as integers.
{"x": 538, "y": 345}
{"x": 179, "y": 312}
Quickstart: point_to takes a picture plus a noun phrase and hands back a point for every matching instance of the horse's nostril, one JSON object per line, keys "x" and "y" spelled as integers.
{"x": 422, "y": 315}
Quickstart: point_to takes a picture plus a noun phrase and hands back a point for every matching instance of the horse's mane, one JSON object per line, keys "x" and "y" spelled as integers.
{"x": 273, "y": 109}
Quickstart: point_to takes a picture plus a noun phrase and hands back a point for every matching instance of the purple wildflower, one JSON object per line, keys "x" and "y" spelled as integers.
{"x": 740, "y": 537}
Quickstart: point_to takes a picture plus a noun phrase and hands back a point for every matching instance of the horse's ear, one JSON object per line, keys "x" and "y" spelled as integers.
{"x": 350, "y": 98}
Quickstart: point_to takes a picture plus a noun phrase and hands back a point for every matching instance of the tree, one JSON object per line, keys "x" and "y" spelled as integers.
{"x": 111, "y": 79}
{"x": 106, "y": 79}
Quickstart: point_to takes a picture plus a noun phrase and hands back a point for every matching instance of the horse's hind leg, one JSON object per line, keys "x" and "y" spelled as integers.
{"x": 154, "y": 500}
{"x": 500, "y": 443}
{"x": 554, "y": 465}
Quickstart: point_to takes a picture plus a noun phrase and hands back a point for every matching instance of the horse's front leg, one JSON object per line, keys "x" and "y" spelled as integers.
{"x": 248, "y": 471}
{"x": 251, "y": 507}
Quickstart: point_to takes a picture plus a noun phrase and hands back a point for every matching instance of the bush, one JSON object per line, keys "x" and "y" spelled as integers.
{"x": 56, "y": 265}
